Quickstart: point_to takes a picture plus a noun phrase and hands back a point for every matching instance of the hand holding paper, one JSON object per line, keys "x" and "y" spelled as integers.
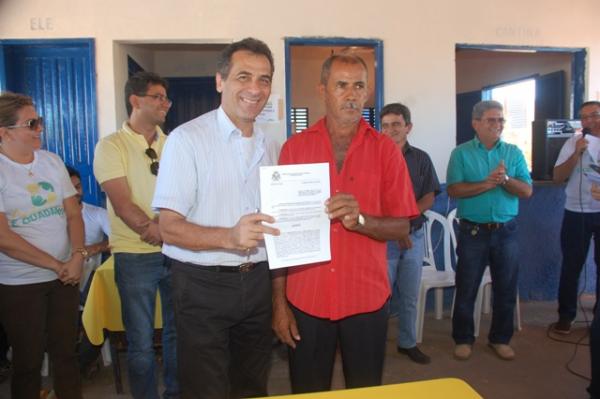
{"x": 344, "y": 207}
{"x": 249, "y": 231}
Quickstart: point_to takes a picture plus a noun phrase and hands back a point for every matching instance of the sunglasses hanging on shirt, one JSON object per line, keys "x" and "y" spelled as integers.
{"x": 154, "y": 157}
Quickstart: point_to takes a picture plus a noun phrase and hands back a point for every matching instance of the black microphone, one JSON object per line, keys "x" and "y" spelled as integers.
{"x": 586, "y": 130}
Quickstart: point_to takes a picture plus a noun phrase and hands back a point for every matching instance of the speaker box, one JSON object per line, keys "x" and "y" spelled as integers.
{"x": 548, "y": 138}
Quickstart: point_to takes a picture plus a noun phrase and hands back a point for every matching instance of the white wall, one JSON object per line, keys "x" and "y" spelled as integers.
{"x": 419, "y": 39}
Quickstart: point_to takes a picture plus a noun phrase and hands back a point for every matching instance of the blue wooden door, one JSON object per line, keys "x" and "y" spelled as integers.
{"x": 60, "y": 77}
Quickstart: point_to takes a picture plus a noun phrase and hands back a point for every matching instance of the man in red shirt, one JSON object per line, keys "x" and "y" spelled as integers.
{"x": 346, "y": 299}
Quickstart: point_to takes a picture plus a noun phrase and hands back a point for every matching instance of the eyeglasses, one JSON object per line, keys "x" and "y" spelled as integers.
{"x": 159, "y": 97}
{"x": 31, "y": 124}
{"x": 153, "y": 156}
{"x": 491, "y": 121}
{"x": 393, "y": 125}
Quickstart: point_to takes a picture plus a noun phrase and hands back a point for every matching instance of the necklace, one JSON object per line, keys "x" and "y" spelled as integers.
{"x": 28, "y": 167}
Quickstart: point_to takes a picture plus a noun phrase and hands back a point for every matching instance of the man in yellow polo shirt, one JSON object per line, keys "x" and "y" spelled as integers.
{"x": 126, "y": 164}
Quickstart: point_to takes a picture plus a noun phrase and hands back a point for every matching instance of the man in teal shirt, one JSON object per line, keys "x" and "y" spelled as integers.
{"x": 487, "y": 176}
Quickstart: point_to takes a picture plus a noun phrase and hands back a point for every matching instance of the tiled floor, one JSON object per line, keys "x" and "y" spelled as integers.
{"x": 538, "y": 372}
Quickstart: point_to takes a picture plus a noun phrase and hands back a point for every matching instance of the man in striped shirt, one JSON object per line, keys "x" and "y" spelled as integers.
{"x": 344, "y": 300}
{"x": 208, "y": 192}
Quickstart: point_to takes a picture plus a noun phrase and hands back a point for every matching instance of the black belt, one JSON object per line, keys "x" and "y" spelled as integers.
{"x": 487, "y": 226}
{"x": 243, "y": 268}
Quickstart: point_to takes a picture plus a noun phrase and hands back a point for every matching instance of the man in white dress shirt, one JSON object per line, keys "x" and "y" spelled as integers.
{"x": 208, "y": 196}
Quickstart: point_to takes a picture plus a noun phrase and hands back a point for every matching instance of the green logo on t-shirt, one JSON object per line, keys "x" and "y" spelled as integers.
{"x": 42, "y": 193}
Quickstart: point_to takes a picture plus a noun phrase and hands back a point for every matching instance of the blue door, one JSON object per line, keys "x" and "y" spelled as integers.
{"x": 60, "y": 77}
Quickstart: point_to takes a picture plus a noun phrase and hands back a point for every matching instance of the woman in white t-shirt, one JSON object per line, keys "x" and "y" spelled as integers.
{"x": 41, "y": 254}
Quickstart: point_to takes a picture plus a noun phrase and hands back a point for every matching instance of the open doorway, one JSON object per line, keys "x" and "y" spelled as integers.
{"x": 518, "y": 100}
{"x": 303, "y": 59}
{"x": 188, "y": 67}
{"x": 512, "y": 75}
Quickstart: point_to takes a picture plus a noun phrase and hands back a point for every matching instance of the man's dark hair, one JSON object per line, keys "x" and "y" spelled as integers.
{"x": 585, "y": 104}
{"x": 248, "y": 44}
{"x": 73, "y": 172}
{"x": 396, "y": 109}
{"x": 346, "y": 58}
{"x": 138, "y": 83}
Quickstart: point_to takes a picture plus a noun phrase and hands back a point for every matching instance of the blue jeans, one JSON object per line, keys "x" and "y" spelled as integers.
{"x": 405, "y": 267}
{"x": 138, "y": 276}
{"x": 575, "y": 235}
{"x": 476, "y": 249}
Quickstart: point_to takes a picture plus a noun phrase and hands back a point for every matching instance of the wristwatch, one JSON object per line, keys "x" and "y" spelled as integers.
{"x": 361, "y": 219}
{"x": 506, "y": 179}
{"x": 82, "y": 251}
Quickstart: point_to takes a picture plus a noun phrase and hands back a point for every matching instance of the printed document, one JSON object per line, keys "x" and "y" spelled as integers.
{"x": 295, "y": 196}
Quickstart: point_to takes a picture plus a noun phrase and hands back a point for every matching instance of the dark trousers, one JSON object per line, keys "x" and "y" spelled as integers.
{"x": 4, "y": 345}
{"x": 594, "y": 388}
{"x": 362, "y": 341}
{"x": 37, "y": 318}
{"x": 478, "y": 248}
{"x": 88, "y": 352}
{"x": 224, "y": 332}
{"x": 575, "y": 235}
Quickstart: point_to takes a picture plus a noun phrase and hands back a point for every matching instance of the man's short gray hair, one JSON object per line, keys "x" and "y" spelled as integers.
{"x": 482, "y": 106}
{"x": 345, "y": 58}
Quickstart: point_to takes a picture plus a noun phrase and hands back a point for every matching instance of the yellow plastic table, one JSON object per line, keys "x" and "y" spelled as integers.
{"x": 102, "y": 308}
{"x": 446, "y": 388}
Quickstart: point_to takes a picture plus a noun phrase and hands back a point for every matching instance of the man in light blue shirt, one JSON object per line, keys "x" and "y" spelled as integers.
{"x": 487, "y": 176}
{"x": 207, "y": 194}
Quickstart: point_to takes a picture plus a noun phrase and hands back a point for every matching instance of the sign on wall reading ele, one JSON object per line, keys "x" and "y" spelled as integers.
{"x": 41, "y": 23}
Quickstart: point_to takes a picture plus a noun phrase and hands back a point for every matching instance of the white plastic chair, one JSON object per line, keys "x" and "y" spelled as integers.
{"x": 434, "y": 277}
{"x": 484, "y": 294}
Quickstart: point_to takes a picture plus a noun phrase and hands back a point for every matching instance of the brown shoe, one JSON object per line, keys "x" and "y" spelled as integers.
{"x": 463, "y": 351}
{"x": 503, "y": 351}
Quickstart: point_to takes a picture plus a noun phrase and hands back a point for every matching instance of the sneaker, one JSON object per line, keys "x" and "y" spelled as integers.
{"x": 463, "y": 351}
{"x": 415, "y": 355}
{"x": 562, "y": 327}
{"x": 503, "y": 351}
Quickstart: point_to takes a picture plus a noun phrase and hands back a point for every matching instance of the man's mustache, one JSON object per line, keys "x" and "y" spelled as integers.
{"x": 350, "y": 105}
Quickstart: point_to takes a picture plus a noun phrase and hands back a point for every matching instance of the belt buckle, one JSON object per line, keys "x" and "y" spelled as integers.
{"x": 494, "y": 226}
{"x": 246, "y": 267}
